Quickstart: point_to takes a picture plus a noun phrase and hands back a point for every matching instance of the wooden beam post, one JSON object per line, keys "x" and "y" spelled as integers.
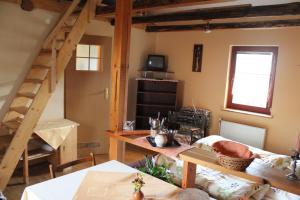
{"x": 189, "y": 175}
{"x": 118, "y": 102}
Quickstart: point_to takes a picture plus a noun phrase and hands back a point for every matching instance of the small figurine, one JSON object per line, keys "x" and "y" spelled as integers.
{"x": 138, "y": 184}
{"x": 128, "y": 125}
{"x": 161, "y": 139}
{"x": 295, "y": 157}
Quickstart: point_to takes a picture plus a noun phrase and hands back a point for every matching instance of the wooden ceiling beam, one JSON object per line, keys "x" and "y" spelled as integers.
{"x": 50, "y": 5}
{"x": 222, "y": 13}
{"x": 143, "y": 5}
{"x": 239, "y": 25}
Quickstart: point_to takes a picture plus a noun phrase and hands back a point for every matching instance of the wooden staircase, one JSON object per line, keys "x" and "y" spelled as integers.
{"x": 32, "y": 97}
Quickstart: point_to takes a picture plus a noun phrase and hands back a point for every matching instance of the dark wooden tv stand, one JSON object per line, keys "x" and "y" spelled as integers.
{"x": 153, "y": 96}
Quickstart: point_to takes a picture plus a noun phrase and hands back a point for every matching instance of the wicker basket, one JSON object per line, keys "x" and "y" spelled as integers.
{"x": 238, "y": 164}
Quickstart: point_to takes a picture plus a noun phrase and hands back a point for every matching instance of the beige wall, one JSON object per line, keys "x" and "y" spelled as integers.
{"x": 142, "y": 44}
{"x": 207, "y": 89}
{"x": 21, "y": 37}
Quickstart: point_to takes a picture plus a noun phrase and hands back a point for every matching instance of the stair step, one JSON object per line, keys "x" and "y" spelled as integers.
{"x": 45, "y": 51}
{"x": 39, "y": 74}
{"x": 33, "y": 81}
{"x": 59, "y": 43}
{"x": 26, "y": 94}
{"x": 71, "y": 19}
{"x": 22, "y": 110}
{"x": 5, "y": 140}
{"x": 67, "y": 28}
{"x": 40, "y": 67}
{"x": 44, "y": 58}
{"x": 60, "y": 40}
{"x": 14, "y": 125}
{"x": 28, "y": 87}
{"x": 13, "y": 116}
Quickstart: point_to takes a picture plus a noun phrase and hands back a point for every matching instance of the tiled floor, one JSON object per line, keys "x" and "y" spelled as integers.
{"x": 40, "y": 173}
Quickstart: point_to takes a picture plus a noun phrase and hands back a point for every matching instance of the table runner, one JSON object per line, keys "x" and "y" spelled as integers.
{"x": 118, "y": 186}
{"x": 54, "y": 132}
{"x": 168, "y": 151}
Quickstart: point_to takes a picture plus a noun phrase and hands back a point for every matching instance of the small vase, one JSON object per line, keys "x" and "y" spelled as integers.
{"x": 138, "y": 195}
{"x": 160, "y": 140}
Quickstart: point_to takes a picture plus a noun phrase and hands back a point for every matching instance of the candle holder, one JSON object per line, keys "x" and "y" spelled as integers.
{"x": 292, "y": 176}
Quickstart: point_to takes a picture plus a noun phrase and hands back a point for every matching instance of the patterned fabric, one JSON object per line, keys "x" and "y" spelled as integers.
{"x": 2, "y": 197}
{"x": 281, "y": 162}
{"x": 218, "y": 185}
{"x": 227, "y": 187}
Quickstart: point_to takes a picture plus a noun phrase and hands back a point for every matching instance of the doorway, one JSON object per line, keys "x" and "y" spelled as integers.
{"x": 87, "y": 83}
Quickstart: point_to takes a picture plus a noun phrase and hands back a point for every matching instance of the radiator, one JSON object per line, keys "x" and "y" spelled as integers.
{"x": 242, "y": 133}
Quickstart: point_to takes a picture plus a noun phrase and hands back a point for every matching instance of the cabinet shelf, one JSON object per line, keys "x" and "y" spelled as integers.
{"x": 157, "y": 93}
{"x": 38, "y": 153}
{"x": 154, "y": 96}
{"x": 139, "y": 116}
{"x": 155, "y": 105}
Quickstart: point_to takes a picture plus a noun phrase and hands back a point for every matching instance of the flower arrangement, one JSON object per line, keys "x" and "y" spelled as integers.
{"x": 138, "y": 182}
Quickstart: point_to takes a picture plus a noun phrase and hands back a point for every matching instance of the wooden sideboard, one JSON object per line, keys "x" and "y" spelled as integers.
{"x": 68, "y": 149}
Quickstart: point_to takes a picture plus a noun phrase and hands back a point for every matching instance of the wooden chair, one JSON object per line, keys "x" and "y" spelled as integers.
{"x": 59, "y": 168}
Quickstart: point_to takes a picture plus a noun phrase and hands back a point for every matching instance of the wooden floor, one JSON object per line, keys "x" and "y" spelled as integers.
{"x": 40, "y": 173}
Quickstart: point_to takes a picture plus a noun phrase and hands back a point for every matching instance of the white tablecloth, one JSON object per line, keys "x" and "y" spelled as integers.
{"x": 65, "y": 187}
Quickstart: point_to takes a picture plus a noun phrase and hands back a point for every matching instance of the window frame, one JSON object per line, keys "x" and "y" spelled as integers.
{"x": 99, "y": 67}
{"x": 247, "y": 108}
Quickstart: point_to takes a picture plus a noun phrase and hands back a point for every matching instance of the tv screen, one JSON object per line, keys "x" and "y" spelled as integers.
{"x": 156, "y": 63}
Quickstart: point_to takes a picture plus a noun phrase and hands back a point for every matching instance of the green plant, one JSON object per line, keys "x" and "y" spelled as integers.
{"x": 158, "y": 171}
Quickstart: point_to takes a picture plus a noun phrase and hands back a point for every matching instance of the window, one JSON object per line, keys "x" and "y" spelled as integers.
{"x": 251, "y": 78}
{"x": 88, "y": 58}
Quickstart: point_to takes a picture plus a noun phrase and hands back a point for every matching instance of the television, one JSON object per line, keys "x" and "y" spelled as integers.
{"x": 156, "y": 63}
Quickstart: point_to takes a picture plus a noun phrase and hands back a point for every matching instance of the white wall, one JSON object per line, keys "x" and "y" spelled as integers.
{"x": 21, "y": 36}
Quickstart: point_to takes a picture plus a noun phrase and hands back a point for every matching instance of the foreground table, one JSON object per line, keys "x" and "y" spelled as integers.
{"x": 65, "y": 187}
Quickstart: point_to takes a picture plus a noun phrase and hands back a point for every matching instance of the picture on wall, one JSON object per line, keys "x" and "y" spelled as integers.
{"x": 197, "y": 57}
